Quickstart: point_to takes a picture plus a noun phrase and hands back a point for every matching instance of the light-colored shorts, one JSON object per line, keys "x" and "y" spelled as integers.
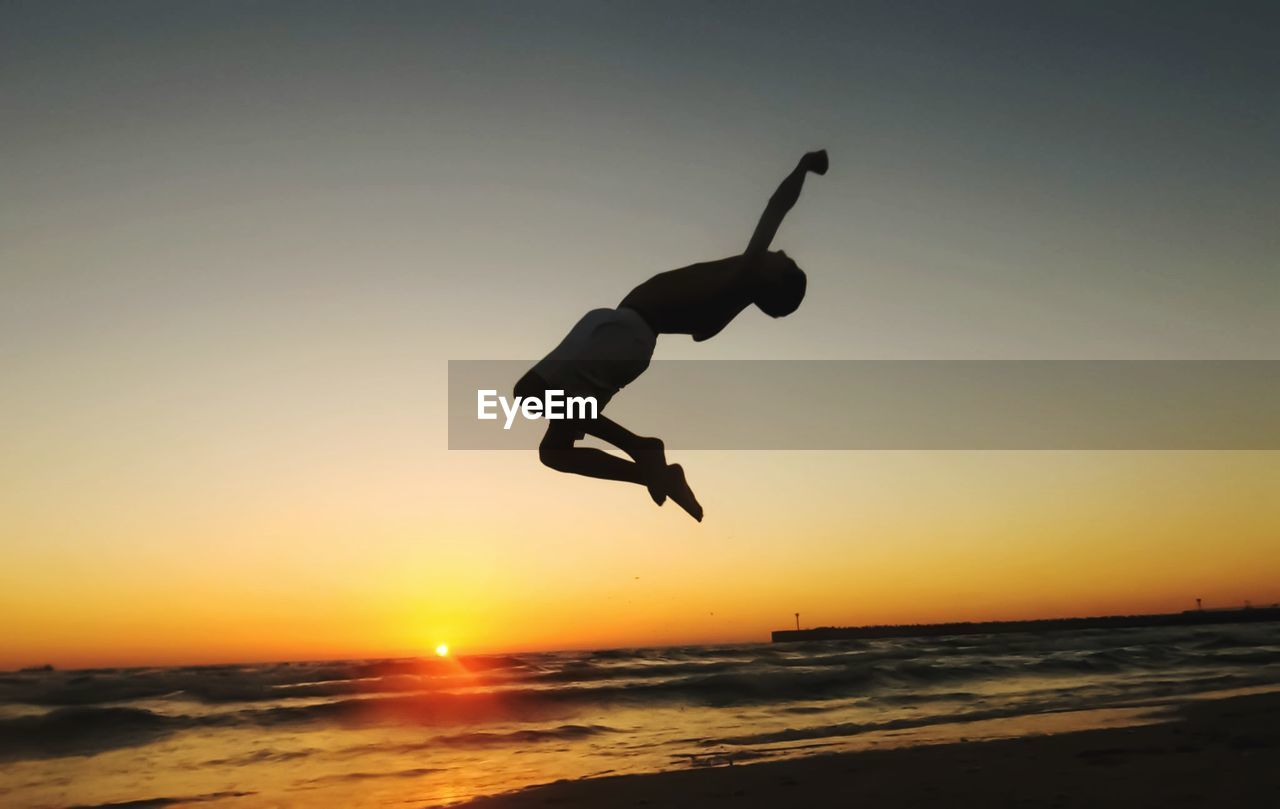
{"x": 603, "y": 353}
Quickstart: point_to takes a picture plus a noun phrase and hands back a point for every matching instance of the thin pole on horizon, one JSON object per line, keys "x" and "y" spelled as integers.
{"x": 797, "y": 622}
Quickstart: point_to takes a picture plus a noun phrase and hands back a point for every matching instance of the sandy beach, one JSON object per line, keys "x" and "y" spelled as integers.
{"x": 1212, "y": 753}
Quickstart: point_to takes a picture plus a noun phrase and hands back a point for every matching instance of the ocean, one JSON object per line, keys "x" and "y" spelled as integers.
{"x": 426, "y": 732}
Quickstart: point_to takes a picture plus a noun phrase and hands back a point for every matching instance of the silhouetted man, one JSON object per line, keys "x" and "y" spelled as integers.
{"x": 609, "y": 348}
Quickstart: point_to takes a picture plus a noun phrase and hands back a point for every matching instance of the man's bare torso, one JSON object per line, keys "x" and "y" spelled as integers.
{"x": 699, "y": 300}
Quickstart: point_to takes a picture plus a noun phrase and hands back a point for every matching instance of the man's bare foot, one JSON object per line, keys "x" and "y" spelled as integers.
{"x": 680, "y": 492}
{"x": 652, "y": 458}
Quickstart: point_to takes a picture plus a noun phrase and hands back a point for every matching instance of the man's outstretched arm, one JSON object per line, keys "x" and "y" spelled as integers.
{"x": 783, "y": 200}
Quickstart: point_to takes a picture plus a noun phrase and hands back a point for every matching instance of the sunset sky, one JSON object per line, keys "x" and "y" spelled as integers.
{"x": 240, "y": 241}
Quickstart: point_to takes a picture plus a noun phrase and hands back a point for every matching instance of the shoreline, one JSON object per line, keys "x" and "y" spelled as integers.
{"x": 1202, "y": 752}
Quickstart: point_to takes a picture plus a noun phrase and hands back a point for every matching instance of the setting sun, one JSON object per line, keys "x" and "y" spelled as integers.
{"x": 443, "y": 650}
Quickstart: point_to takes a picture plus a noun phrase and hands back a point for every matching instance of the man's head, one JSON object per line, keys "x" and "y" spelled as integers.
{"x": 778, "y": 284}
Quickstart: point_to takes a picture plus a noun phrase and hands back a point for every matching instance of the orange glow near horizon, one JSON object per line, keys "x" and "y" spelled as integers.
{"x": 841, "y": 538}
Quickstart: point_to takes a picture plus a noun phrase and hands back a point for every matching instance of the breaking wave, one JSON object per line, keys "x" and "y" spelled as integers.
{"x": 538, "y": 696}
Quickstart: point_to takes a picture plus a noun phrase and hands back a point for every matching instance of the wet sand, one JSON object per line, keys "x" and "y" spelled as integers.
{"x": 1211, "y": 753}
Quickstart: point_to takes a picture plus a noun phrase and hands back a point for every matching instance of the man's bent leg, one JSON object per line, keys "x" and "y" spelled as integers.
{"x": 557, "y": 451}
{"x": 649, "y": 453}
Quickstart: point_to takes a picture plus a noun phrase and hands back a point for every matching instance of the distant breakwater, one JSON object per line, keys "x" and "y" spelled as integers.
{"x": 1246, "y": 615}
